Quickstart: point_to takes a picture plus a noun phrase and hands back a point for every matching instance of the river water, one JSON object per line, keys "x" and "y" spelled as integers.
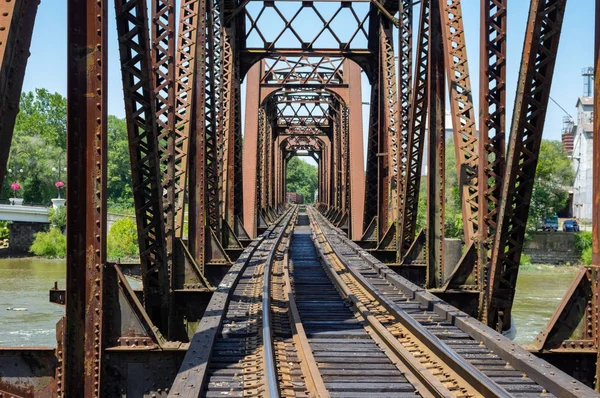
{"x": 24, "y": 284}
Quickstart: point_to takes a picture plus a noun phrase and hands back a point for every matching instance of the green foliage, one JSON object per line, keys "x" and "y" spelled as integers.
{"x": 302, "y": 178}
{"x": 43, "y": 114}
{"x": 4, "y": 230}
{"x": 119, "y": 190}
{"x": 38, "y": 145}
{"x": 586, "y": 256}
{"x": 583, "y": 241}
{"x": 58, "y": 217}
{"x": 525, "y": 259}
{"x": 122, "y": 239}
{"x": 51, "y": 244}
{"x": 453, "y": 208}
{"x": 554, "y": 174}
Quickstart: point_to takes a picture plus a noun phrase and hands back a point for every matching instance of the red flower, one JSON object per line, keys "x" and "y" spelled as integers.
{"x": 15, "y": 186}
{"x": 59, "y": 184}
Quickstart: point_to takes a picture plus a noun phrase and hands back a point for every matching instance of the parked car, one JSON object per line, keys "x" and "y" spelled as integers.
{"x": 571, "y": 226}
{"x": 549, "y": 223}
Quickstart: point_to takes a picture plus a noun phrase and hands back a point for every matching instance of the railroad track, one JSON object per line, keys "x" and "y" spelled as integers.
{"x": 306, "y": 313}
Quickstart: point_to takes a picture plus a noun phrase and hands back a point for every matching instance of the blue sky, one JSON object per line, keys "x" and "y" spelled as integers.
{"x": 47, "y": 64}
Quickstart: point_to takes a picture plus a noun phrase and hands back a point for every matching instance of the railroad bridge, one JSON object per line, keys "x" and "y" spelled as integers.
{"x": 346, "y": 297}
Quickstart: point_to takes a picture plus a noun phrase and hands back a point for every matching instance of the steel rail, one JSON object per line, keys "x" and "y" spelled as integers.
{"x": 422, "y": 378}
{"x": 269, "y": 357}
{"x": 551, "y": 379}
{"x": 192, "y": 375}
{"x": 462, "y": 367}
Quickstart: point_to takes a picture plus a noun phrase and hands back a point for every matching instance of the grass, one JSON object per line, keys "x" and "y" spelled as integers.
{"x": 544, "y": 268}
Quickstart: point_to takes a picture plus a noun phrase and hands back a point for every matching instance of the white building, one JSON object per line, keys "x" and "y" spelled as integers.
{"x": 582, "y": 159}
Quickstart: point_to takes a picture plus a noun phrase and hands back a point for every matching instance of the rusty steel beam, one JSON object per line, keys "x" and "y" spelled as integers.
{"x": 250, "y": 160}
{"x": 463, "y": 112}
{"x": 436, "y": 151}
{"x": 197, "y": 135}
{"x": 184, "y": 87}
{"x": 492, "y": 131}
{"x": 229, "y": 89}
{"x": 405, "y": 70}
{"x": 163, "y": 68}
{"x": 416, "y": 137}
{"x": 356, "y": 148}
{"x": 140, "y": 111}
{"x": 17, "y": 18}
{"x": 212, "y": 53}
{"x": 389, "y": 132}
{"x": 79, "y": 372}
{"x": 535, "y": 80}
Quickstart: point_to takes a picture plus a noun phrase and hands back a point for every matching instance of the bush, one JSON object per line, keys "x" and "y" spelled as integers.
{"x": 525, "y": 259}
{"x": 583, "y": 241}
{"x": 122, "y": 239}
{"x": 4, "y": 230}
{"x": 586, "y": 256}
{"x": 58, "y": 217}
{"x": 51, "y": 244}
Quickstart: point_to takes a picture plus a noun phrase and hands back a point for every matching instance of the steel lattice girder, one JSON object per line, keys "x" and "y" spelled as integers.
{"x": 303, "y": 70}
{"x": 17, "y": 18}
{"x": 416, "y": 136}
{"x": 184, "y": 84}
{"x": 436, "y": 151}
{"x": 163, "y": 67}
{"x": 492, "y": 131}
{"x": 463, "y": 112}
{"x": 140, "y": 110}
{"x": 535, "y": 80}
{"x": 405, "y": 69}
{"x": 80, "y": 355}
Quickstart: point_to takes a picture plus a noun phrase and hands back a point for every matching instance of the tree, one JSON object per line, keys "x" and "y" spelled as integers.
{"x": 119, "y": 189}
{"x": 554, "y": 174}
{"x": 43, "y": 114}
{"x": 302, "y": 178}
{"x": 453, "y": 207}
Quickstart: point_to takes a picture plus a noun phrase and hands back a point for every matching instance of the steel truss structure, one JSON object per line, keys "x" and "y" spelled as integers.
{"x": 183, "y": 99}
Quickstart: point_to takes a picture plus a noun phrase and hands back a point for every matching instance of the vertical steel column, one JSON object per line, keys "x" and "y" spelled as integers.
{"x": 356, "y": 151}
{"x": 416, "y": 136}
{"x": 463, "y": 112}
{"x": 372, "y": 168}
{"x": 228, "y": 96}
{"x": 17, "y": 18}
{"x": 492, "y": 136}
{"x": 436, "y": 155}
{"x": 238, "y": 142}
{"x": 81, "y": 371}
{"x": 250, "y": 159}
{"x": 186, "y": 53}
{"x": 389, "y": 132}
{"x": 163, "y": 68}
{"x": 197, "y": 163}
{"x": 535, "y": 80}
{"x": 140, "y": 111}
{"x": 212, "y": 53}
{"x": 405, "y": 69}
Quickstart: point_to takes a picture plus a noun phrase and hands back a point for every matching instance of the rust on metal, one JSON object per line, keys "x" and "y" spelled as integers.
{"x": 16, "y": 28}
